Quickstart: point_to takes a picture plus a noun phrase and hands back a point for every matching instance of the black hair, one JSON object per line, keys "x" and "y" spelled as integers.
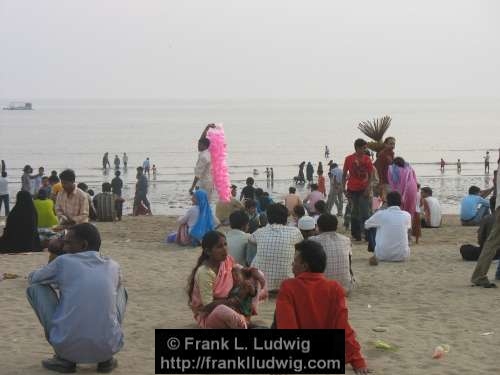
{"x": 427, "y": 190}
{"x": 320, "y": 206}
{"x": 334, "y": 165}
{"x": 238, "y": 220}
{"x": 234, "y": 187}
{"x": 67, "y": 175}
{"x": 90, "y": 192}
{"x": 53, "y": 179}
{"x": 4, "y": 174}
{"x": 394, "y": 199}
{"x": 359, "y": 143}
{"x": 327, "y": 223}
{"x": 474, "y": 190}
{"x": 82, "y": 186}
{"x": 314, "y": 187}
{"x": 259, "y": 192}
{"x": 117, "y": 173}
{"x": 250, "y": 203}
{"x": 87, "y": 232}
{"x": 292, "y": 190}
{"x": 250, "y": 181}
{"x": 204, "y": 141}
{"x": 299, "y": 211}
{"x": 106, "y": 187}
{"x": 399, "y": 161}
{"x": 209, "y": 240}
{"x": 313, "y": 254}
{"x": 42, "y": 194}
{"x": 277, "y": 214}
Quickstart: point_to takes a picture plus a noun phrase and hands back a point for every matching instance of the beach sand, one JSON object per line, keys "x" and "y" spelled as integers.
{"x": 422, "y": 303}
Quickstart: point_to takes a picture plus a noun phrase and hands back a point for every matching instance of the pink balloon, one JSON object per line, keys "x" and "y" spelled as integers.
{"x": 220, "y": 171}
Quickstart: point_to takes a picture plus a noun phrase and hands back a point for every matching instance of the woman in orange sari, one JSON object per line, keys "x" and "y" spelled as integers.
{"x": 211, "y": 283}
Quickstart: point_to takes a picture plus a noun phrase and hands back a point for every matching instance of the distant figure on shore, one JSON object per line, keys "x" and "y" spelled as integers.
{"x": 105, "y": 161}
{"x": 327, "y": 152}
{"x": 4, "y": 192}
{"x": 442, "y": 164}
{"x": 125, "y": 160}
{"x": 487, "y": 162}
{"x": 26, "y": 184}
{"x": 37, "y": 181}
{"x": 459, "y": 166}
{"x": 272, "y": 175}
{"x": 116, "y": 188}
{"x": 155, "y": 171}
{"x": 300, "y": 178}
{"x": 141, "y": 203}
{"x": 116, "y": 162}
{"x": 202, "y": 170}
{"x": 320, "y": 168}
{"x": 309, "y": 172}
{"x": 146, "y": 165}
{"x": 336, "y": 193}
{"x": 268, "y": 173}
{"x": 474, "y": 206}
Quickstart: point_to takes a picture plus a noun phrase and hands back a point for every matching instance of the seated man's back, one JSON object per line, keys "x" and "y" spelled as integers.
{"x": 392, "y": 225}
{"x": 105, "y": 206}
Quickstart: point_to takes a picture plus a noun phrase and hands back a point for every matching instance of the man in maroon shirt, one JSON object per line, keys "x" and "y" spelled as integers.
{"x": 384, "y": 159}
{"x": 358, "y": 170}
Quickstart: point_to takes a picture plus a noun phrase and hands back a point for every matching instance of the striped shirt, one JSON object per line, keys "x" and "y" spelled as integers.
{"x": 105, "y": 206}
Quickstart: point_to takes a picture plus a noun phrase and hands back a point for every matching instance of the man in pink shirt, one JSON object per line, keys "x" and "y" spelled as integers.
{"x": 311, "y": 199}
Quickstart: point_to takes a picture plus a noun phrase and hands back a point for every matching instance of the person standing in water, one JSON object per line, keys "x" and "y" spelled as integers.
{"x": 105, "y": 161}
{"x": 459, "y": 166}
{"x": 442, "y": 163}
{"x": 116, "y": 162}
{"x": 487, "y": 162}
{"x": 327, "y": 152}
{"x": 125, "y": 160}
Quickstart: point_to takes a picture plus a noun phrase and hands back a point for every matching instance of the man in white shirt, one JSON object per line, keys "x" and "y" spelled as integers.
{"x": 480, "y": 274}
{"x": 431, "y": 209}
{"x": 392, "y": 225}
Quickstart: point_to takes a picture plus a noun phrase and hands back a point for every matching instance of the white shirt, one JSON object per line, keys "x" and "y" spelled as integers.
{"x": 392, "y": 233}
{"x": 202, "y": 171}
{"x": 4, "y": 186}
{"x": 435, "y": 211}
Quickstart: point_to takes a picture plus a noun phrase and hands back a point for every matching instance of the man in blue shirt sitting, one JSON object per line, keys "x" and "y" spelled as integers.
{"x": 83, "y": 323}
{"x": 474, "y": 206}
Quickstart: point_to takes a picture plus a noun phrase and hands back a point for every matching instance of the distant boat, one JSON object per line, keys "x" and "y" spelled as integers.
{"x": 18, "y": 106}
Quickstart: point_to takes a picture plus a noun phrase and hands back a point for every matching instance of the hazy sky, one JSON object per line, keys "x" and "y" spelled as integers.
{"x": 249, "y": 49}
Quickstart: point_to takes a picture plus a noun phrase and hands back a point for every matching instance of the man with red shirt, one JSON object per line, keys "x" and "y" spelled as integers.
{"x": 358, "y": 170}
{"x": 384, "y": 159}
{"x": 311, "y": 301}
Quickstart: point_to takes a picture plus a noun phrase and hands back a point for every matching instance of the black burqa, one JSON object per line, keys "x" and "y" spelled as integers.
{"x": 21, "y": 233}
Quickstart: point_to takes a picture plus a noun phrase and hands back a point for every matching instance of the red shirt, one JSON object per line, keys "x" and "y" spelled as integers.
{"x": 360, "y": 169}
{"x": 384, "y": 159}
{"x": 311, "y": 301}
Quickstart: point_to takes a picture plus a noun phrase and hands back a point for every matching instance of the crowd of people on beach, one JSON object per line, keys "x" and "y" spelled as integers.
{"x": 290, "y": 249}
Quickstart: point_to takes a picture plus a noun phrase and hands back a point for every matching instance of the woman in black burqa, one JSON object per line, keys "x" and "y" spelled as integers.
{"x": 20, "y": 233}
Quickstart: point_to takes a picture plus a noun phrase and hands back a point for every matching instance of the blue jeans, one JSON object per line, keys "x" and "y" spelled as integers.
{"x": 5, "y": 200}
{"x": 43, "y": 299}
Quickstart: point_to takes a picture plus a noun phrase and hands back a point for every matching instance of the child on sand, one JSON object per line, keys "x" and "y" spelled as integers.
{"x": 321, "y": 183}
{"x": 244, "y": 290}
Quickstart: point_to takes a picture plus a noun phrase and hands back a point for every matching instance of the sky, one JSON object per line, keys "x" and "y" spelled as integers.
{"x": 232, "y": 49}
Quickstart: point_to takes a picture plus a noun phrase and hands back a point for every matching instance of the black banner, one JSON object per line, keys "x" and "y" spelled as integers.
{"x": 250, "y": 351}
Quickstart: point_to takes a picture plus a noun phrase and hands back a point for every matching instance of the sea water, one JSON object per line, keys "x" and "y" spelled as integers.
{"x": 60, "y": 134}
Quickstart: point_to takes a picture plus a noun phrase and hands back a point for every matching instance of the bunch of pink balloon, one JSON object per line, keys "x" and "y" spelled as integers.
{"x": 220, "y": 171}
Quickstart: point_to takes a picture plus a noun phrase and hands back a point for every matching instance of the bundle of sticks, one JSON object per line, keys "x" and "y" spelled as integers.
{"x": 375, "y": 130}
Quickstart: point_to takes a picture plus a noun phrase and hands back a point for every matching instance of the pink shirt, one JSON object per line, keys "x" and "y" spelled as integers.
{"x": 312, "y": 198}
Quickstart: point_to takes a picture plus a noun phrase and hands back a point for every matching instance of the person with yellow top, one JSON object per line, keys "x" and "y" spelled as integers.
{"x": 45, "y": 210}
